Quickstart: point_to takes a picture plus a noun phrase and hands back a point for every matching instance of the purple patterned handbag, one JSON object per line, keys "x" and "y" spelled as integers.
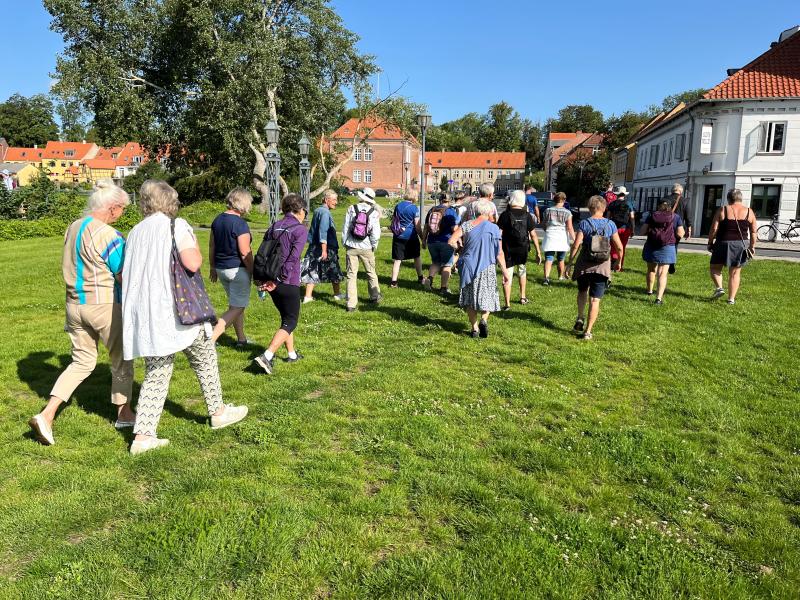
{"x": 191, "y": 299}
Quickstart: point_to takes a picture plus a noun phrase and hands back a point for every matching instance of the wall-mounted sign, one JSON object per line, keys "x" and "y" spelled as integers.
{"x": 705, "y": 138}
{"x": 767, "y": 179}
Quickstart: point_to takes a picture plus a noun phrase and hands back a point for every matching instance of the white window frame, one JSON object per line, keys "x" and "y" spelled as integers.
{"x": 368, "y": 176}
{"x": 669, "y": 156}
{"x": 357, "y": 176}
{"x": 357, "y": 154}
{"x": 491, "y": 175}
{"x": 653, "y": 156}
{"x": 368, "y": 153}
{"x": 766, "y": 137}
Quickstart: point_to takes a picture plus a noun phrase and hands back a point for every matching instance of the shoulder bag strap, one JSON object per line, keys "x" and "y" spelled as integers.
{"x": 172, "y": 232}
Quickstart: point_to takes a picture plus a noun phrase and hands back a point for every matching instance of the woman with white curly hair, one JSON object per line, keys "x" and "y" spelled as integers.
{"x": 91, "y": 265}
{"x": 481, "y": 254}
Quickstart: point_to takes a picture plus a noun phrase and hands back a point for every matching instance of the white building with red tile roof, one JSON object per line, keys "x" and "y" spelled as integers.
{"x": 744, "y": 133}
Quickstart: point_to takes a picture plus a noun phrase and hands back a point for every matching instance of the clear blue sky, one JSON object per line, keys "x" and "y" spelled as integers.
{"x": 461, "y": 56}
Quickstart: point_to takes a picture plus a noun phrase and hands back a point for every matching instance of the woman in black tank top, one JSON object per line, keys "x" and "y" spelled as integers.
{"x": 731, "y": 242}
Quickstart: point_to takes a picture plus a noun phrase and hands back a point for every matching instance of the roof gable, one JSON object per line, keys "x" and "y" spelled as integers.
{"x": 70, "y": 150}
{"x": 370, "y": 128}
{"x": 774, "y": 74}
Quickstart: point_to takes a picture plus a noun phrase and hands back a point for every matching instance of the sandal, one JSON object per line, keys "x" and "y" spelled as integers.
{"x": 523, "y": 300}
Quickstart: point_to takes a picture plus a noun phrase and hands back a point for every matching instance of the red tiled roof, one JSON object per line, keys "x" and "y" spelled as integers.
{"x": 379, "y": 131}
{"x": 562, "y": 136}
{"x": 476, "y": 160}
{"x": 774, "y": 74}
{"x": 24, "y": 154}
{"x": 128, "y": 151}
{"x": 101, "y": 163}
{"x": 75, "y": 170}
{"x": 58, "y": 150}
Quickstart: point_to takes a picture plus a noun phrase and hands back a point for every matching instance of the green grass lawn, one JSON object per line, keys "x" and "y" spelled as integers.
{"x": 402, "y": 459}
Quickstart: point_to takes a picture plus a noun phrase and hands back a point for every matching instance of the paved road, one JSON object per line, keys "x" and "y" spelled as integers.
{"x": 766, "y": 250}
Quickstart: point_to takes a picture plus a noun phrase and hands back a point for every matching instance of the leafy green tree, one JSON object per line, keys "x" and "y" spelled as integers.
{"x": 27, "y": 121}
{"x": 582, "y": 176}
{"x": 38, "y": 198}
{"x": 205, "y": 77}
{"x": 536, "y": 179}
{"x": 619, "y": 130}
{"x": 149, "y": 170}
{"x": 72, "y": 115}
{"x": 444, "y": 184}
{"x": 671, "y": 101}
{"x": 504, "y": 128}
{"x": 533, "y": 142}
{"x": 576, "y": 117}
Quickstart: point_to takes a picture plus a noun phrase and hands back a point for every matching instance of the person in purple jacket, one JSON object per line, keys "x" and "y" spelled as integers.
{"x": 285, "y": 292}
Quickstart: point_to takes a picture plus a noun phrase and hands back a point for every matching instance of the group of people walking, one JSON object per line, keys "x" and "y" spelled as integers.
{"x": 143, "y": 297}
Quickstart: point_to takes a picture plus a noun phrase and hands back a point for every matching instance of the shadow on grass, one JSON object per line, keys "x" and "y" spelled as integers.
{"x": 93, "y": 395}
{"x": 638, "y": 293}
{"x": 420, "y": 320}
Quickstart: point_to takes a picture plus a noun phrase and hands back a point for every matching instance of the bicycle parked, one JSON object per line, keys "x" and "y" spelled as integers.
{"x": 771, "y": 232}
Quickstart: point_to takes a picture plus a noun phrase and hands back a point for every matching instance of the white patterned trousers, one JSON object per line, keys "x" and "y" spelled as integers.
{"x": 202, "y": 357}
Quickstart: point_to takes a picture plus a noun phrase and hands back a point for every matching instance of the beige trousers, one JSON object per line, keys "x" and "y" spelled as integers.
{"x": 86, "y": 325}
{"x": 367, "y": 257}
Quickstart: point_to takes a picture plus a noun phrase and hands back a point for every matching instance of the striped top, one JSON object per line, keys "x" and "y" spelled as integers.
{"x": 93, "y": 256}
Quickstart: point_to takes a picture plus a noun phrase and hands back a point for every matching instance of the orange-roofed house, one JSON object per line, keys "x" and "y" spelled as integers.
{"x": 63, "y": 161}
{"x": 468, "y": 170}
{"x": 128, "y": 159}
{"x": 743, "y": 133}
{"x": 384, "y": 157}
{"x": 568, "y": 146}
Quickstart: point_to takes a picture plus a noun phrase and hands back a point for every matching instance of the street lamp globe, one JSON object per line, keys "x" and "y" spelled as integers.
{"x": 272, "y": 132}
{"x": 304, "y": 145}
{"x": 424, "y": 120}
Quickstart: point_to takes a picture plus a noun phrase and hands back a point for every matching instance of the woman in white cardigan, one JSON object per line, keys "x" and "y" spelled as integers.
{"x": 151, "y": 328}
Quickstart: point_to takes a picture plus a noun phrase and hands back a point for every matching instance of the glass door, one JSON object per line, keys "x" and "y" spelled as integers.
{"x": 712, "y": 199}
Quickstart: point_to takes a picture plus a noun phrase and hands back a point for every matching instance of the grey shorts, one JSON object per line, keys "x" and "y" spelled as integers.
{"x": 236, "y": 282}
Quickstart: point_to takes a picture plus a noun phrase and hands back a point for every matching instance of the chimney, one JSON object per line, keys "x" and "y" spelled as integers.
{"x": 579, "y": 132}
{"x": 35, "y": 146}
{"x": 83, "y": 142}
{"x": 732, "y": 71}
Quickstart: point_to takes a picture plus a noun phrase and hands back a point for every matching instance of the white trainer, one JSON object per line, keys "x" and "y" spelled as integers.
{"x": 340, "y": 297}
{"x": 231, "y": 414}
{"x": 306, "y": 299}
{"x": 43, "y": 431}
{"x": 149, "y": 443}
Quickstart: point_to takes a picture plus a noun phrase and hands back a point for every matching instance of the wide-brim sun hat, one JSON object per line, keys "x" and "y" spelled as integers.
{"x": 367, "y": 195}
{"x": 621, "y": 190}
{"x": 5, "y": 172}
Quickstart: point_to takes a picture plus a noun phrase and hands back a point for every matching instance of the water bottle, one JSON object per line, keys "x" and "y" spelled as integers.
{"x": 262, "y": 295}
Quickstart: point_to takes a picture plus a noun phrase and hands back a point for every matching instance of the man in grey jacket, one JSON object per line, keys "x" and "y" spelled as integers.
{"x": 360, "y": 248}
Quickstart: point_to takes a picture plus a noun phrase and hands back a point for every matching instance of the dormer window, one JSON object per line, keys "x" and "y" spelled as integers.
{"x": 499, "y": 161}
{"x": 69, "y": 153}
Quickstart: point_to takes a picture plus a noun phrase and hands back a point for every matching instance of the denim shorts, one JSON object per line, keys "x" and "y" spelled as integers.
{"x": 551, "y": 254}
{"x": 236, "y": 282}
{"x": 594, "y": 282}
{"x": 442, "y": 254}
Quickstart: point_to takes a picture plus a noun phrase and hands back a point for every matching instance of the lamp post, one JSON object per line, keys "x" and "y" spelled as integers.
{"x": 581, "y": 163}
{"x": 424, "y": 121}
{"x": 304, "y": 145}
{"x": 273, "y": 160}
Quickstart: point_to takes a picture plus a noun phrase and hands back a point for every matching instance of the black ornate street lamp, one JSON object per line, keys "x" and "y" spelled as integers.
{"x": 424, "y": 121}
{"x": 272, "y": 176}
{"x": 304, "y": 145}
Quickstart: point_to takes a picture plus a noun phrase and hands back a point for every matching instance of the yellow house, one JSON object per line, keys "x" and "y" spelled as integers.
{"x": 20, "y": 172}
{"x": 63, "y": 161}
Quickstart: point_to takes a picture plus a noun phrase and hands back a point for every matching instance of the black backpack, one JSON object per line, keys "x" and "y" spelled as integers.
{"x": 269, "y": 259}
{"x": 620, "y": 213}
{"x": 519, "y": 230}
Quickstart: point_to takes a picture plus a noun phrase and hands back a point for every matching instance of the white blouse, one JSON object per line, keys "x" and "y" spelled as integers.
{"x": 150, "y": 325}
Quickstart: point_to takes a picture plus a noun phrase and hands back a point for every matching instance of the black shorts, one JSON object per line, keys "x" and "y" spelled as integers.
{"x": 287, "y": 300}
{"x": 405, "y": 249}
{"x": 594, "y": 282}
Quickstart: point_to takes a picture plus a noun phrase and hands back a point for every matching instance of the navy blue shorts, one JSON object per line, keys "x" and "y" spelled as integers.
{"x": 594, "y": 282}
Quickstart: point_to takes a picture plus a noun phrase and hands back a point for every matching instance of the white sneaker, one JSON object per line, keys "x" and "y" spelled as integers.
{"x": 149, "y": 443}
{"x": 43, "y": 431}
{"x": 340, "y": 297}
{"x": 718, "y": 293}
{"x": 306, "y": 299}
{"x": 427, "y": 283}
{"x": 232, "y": 414}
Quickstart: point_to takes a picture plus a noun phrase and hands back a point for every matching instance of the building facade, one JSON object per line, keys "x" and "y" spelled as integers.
{"x": 567, "y": 146}
{"x": 744, "y": 133}
{"x": 383, "y": 157}
{"x": 468, "y": 170}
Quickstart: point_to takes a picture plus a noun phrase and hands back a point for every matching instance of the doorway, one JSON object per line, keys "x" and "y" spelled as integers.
{"x": 712, "y": 199}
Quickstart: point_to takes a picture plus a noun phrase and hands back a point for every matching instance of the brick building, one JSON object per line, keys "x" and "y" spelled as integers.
{"x": 467, "y": 170}
{"x": 386, "y": 159}
{"x": 568, "y": 147}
